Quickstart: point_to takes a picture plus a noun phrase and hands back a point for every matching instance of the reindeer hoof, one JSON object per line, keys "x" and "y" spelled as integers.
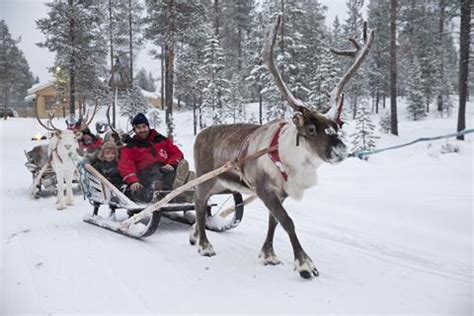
{"x": 207, "y": 251}
{"x": 269, "y": 259}
{"x": 309, "y": 274}
{"x": 60, "y": 207}
{"x": 306, "y": 268}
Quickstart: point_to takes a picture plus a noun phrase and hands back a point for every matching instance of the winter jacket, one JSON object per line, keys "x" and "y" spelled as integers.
{"x": 90, "y": 151}
{"x": 140, "y": 154}
{"x": 109, "y": 170}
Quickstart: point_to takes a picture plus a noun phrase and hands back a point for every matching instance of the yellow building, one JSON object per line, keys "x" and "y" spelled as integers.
{"x": 44, "y": 94}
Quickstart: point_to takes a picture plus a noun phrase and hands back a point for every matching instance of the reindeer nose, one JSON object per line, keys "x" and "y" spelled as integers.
{"x": 338, "y": 153}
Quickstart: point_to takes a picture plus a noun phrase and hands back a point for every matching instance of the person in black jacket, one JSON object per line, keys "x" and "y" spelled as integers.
{"x": 106, "y": 164}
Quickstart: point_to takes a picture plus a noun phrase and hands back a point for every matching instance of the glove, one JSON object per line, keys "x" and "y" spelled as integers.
{"x": 136, "y": 186}
{"x": 167, "y": 168}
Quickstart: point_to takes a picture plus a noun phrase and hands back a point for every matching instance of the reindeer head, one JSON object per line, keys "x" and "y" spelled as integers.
{"x": 320, "y": 131}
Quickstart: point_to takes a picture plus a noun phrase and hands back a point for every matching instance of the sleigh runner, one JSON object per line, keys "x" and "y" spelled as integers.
{"x": 143, "y": 219}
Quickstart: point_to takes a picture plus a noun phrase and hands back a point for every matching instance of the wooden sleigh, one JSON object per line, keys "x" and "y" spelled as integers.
{"x": 142, "y": 220}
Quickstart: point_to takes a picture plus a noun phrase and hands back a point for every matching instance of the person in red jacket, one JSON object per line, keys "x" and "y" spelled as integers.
{"x": 148, "y": 162}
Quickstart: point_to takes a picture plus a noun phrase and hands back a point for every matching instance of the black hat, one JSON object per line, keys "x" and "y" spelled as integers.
{"x": 140, "y": 118}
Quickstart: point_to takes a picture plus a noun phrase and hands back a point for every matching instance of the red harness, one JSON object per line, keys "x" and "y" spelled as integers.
{"x": 275, "y": 155}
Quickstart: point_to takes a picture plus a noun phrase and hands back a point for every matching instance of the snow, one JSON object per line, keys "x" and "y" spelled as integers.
{"x": 389, "y": 235}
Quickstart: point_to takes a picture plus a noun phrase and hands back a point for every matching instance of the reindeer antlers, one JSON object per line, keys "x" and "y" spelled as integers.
{"x": 84, "y": 126}
{"x": 50, "y": 121}
{"x": 267, "y": 53}
{"x": 359, "y": 53}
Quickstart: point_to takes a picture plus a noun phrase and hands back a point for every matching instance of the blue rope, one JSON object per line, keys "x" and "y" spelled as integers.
{"x": 361, "y": 154}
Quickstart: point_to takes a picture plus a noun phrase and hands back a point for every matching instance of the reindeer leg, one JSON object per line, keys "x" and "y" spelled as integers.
{"x": 69, "y": 194}
{"x": 303, "y": 263}
{"x": 203, "y": 192}
{"x": 60, "y": 202}
{"x": 267, "y": 254}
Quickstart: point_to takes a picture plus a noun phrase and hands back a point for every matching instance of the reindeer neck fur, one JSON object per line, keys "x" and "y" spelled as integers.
{"x": 62, "y": 148}
{"x": 299, "y": 161}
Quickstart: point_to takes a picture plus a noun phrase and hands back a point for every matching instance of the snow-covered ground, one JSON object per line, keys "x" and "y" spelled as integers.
{"x": 393, "y": 234}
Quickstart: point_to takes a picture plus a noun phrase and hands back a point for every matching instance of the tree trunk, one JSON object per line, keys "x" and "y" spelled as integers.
{"x": 162, "y": 77}
{"x": 130, "y": 40}
{"x": 194, "y": 116}
{"x": 111, "y": 38}
{"x": 216, "y": 18}
{"x": 442, "y": 9}
{"x": 393, "y": 68}
{"x": 377, "y": 102}
{"x": 169, "y": 65}
{"x": 72, "y": 61}
{"x": 463, "y": 64}
{"x": 260, "y": 106}
{"x": 6, "y": 83}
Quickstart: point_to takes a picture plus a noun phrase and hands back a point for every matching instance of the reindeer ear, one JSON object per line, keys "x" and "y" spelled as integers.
{"x": 298, "y": 119}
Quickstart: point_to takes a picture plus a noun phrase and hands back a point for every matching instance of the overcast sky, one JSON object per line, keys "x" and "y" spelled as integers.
{"x": 20, "y": 16}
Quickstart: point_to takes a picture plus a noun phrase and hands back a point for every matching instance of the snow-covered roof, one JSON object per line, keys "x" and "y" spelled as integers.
{"x": 39, "y": 86}
{"x": 149, "y": 94}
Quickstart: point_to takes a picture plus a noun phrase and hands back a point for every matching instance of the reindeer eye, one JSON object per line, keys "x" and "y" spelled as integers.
{"x": 311, "y": 129}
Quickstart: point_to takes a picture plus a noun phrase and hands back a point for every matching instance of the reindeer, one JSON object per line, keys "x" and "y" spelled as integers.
{"x": 304, "y": 143}
{"x": 62, "y": 153}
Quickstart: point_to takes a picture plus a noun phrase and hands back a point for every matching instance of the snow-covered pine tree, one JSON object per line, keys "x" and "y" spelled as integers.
{"x": 236, "y": 25}
{"x": 419, "y": 37}
{"x": 124, "y": 24}
{"x": 384, "y": 122}
{"x": 74, "y": 31}
{"x": 325, "y": 79}
{"x": 236, "y": 99}
{"x": 131, "y": 102}
{"x": 145, "y": 80}
{"x": 379, "y": 58}
{"x": 215, "y": 87}
{"x": 416, "y": 108}
{"x": 357, "y": 87}
{"x": 363, "y": 139}
{"x": 289, "y": 57}
{"x": 15, "y": 74}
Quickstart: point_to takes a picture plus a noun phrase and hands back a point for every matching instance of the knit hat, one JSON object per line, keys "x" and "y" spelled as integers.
{"x": 140, "y": 118}
{"x": 108, "y": 145}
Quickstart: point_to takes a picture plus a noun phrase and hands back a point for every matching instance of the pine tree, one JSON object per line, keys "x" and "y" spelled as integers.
{"x": 215, "y": 86}
{"x": 236, "y": 99}
{"x": 74, "y": 31}
{"x": 131, "y": 102}
{"x": 363, "y": 139}
{"x": 325, "y": 79}
{"x": 379, "y": 58}
{"x": 145, "y": 80}
{"x": 124, "y": 23}
{"x": 15, "y": 74}
{"x": 416, "y": 108}
{"x": 357, "y": 87}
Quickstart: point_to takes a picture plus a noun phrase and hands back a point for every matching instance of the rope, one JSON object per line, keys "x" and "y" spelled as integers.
{"x": 361, "y": 154}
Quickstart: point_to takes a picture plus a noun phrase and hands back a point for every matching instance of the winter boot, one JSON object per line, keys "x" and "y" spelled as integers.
{"x": 181, "y": 173}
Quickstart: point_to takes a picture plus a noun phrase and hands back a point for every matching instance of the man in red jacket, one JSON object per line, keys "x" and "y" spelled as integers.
{"x": 149, "y": 160}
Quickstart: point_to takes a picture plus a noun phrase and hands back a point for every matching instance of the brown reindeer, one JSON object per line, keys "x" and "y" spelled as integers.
{"x": 304, "y": 143}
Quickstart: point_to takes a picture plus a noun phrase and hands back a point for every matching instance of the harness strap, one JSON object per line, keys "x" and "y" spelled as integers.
{"x": 241, "y": 155}
{"x": 275, "y": 155}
